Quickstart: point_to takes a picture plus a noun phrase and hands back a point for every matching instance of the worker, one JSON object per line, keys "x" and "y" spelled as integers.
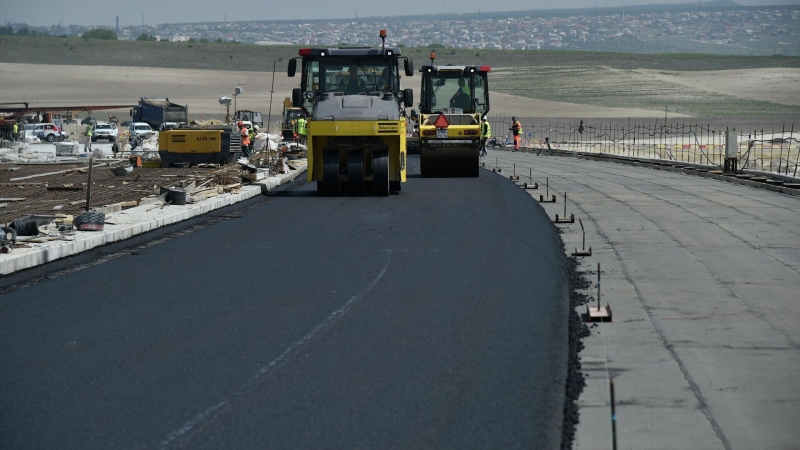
{"x": 302, "y": 132}
{"x": 87, "y": 138}
{"x": 352, "y": 84}
{"x": 516, "y": 130}
{"x": 486, "y": 133}
{"x": 251, "y": 134}
{"x": 463, "y": 96}
{"x": 15, "y": 132}
{"x": 245, "y": 138}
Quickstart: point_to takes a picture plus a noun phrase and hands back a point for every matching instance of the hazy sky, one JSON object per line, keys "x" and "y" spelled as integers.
{"x": 85, "y": 12}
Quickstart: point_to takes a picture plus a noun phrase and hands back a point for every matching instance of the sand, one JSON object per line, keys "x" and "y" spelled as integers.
{"x": 69, "y": 85}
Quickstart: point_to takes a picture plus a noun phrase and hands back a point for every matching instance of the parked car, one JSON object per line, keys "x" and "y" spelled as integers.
{"x": 49, "y": 132}
{"x": 168, "y": 126}
{"x": 140, "y": 129}
{"x": 103, "y": 130}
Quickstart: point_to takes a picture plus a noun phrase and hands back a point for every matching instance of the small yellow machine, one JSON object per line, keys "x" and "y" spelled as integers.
{"x": 196, "y": 145}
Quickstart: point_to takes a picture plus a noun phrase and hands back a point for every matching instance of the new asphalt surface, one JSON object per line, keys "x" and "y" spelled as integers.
{"x": 436, "y": 318}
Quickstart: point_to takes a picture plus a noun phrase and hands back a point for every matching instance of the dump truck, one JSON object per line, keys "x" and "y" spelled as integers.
{"x": 192, "y": 145}
{"x": 356, "y": 129}
{"x": 454, "y": 102}
{"x": 155, "y": 111}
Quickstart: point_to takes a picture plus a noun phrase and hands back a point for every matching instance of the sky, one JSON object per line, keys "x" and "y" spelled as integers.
{"x": 86, "y": 12}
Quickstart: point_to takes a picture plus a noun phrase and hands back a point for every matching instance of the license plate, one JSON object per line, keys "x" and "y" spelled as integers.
{"x": 441, "y": 133}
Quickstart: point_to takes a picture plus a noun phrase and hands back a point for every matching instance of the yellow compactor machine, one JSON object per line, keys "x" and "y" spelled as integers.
{"x": 356, "y": 118}
{"x": 454, "y": 102}
{"x": 218, "y": 144}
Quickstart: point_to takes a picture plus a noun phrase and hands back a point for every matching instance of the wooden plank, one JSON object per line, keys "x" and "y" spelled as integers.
{"x": 64, "y": 188}
{"x": 11, "y": 199}
{"x": 20, "y": 184}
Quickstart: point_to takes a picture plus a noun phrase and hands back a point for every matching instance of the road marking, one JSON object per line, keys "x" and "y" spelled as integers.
{"x": 216, "y": 410}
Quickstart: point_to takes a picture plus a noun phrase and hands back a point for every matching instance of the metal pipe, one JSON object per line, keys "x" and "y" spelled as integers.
{"x": 89, "y": 183}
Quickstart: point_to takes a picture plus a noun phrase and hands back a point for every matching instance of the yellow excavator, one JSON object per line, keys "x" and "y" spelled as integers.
{"x": 355, "y": 107}
{"x": 454, "y": 103}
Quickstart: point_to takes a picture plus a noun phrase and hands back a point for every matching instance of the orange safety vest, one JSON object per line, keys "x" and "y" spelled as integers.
{"x": 245, "y": 136}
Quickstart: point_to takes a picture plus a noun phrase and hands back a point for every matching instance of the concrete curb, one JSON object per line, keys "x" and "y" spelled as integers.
{"x": 687, "y": 168}
{"x": 134, "y": 221}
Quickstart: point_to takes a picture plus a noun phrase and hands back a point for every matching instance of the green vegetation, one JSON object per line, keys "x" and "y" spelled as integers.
{"x": 98, "y": 33}
{"x": 146, "y": 37}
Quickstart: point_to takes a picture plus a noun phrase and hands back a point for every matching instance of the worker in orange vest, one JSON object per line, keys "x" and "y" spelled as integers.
{"x": 245, "y": 133}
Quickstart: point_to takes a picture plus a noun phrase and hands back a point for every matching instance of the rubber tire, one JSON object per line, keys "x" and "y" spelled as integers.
{"x": 94, "y": 139}
{"x": 176, "y": 197}
{"x": 51, "y": 138}
{"x": 355, "y": 171}
{"x": 380, "y": 173}
{"x": 330, "y": 172}
{"x": 89, "y": 217}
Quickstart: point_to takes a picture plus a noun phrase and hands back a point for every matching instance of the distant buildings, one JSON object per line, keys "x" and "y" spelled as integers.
{"x": 595, "y": 32}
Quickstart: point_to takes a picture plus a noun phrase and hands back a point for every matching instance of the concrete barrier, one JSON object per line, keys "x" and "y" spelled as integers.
{"x": 134, "y": 221}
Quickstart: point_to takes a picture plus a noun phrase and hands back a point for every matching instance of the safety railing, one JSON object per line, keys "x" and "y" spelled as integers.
{"x": 776, "y": 151}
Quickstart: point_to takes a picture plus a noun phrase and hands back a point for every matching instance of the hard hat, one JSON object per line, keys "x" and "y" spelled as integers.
{"x": 513, "y": 118}
{"x": 240, "y": 123}
{"x": 255, "y": 127}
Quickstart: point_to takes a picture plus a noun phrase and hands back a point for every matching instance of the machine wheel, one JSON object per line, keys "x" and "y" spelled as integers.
{"x": 355, "y": 171}
{"x": 380, "y": 172}
{"x": 330, "y": 172}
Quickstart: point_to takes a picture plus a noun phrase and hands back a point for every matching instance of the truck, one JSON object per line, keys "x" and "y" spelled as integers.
{"x": 155, "y": 111}
{"x": 355, "y": 110}
{"x": 454, "y": 103}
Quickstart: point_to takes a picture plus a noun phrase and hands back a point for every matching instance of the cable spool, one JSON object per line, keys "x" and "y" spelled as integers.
{"x": 6, "y": 243}
{"x": 176, "y": 197}
{"x": 90, "y": 221}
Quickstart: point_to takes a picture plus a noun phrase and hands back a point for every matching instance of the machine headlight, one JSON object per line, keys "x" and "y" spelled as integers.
{"x": 309, "y": 95}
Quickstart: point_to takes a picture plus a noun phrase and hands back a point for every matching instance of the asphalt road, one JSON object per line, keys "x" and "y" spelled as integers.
{"x": 436, "y": 318}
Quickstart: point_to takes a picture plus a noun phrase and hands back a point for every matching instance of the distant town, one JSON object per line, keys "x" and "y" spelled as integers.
{"x": 677, "y": 28}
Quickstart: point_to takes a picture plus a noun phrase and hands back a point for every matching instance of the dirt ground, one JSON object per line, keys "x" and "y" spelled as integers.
{"x": 776, "y": 85}
{"x": 70, "y": 85}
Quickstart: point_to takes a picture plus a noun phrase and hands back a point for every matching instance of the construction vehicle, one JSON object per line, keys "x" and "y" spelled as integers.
{"x": 454, "y": 102}
{"x": 191, "y": 145}
{"x": 289, "y": 120}
{"x": 356, "y": 125}
{"x": 155, "y": 111}
{"x": 249, "y": 118}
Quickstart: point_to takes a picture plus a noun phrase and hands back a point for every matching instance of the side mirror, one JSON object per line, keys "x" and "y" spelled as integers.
{"x": 408, "y": 98}
{"x": 408, "y": 64}
{"x": 297, "y": 98}
{"x": 292, "y": 67}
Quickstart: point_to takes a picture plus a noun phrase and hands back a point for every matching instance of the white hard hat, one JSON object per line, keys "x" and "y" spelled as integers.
{"x": 255, "y": 127}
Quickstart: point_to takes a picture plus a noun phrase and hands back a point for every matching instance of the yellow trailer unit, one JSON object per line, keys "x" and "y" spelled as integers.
{"x": 195, "y": 145}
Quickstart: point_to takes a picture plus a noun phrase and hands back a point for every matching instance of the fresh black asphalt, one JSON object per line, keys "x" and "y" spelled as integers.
{"x": 436, "y": 318}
